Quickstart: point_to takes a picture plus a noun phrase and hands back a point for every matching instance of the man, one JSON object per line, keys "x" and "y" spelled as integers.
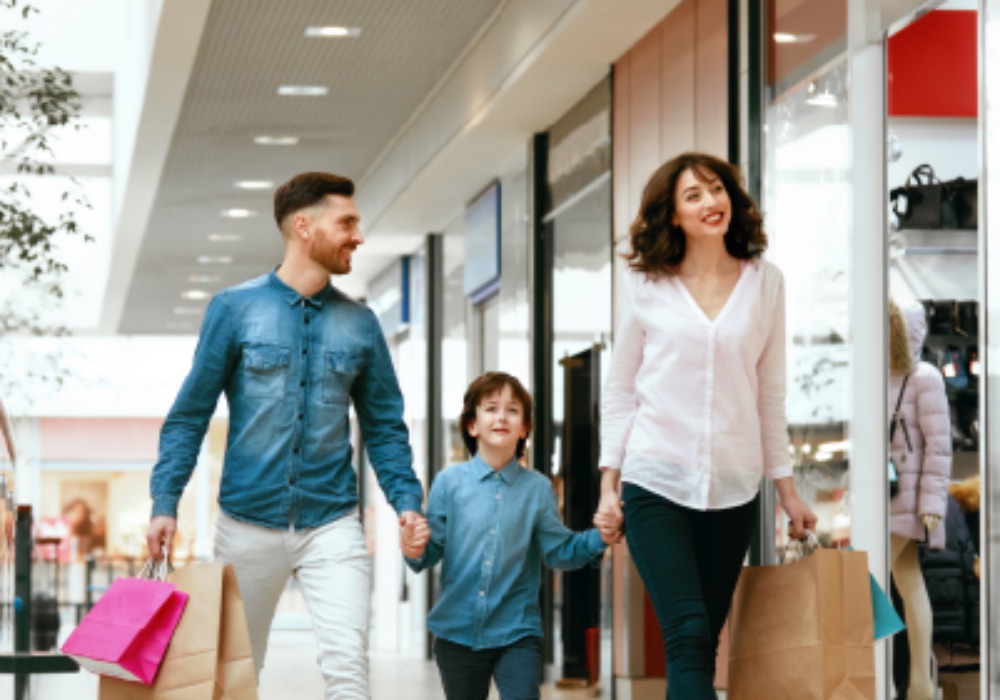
{"x": 291, "y": 354}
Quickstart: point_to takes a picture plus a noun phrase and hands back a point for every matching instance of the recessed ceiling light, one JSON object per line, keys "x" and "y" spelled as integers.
{"x": 195, "y": 295}
{"x": 254, "y": 184}
{"x": 786, "y": 38}
{"x": 328, "y": 32}
{"x": 215, "y": 259}
{"x": 188, "y": 311}
{"x": 303, "y": 90}
{"x": 237, "y": 213}
{"x": 225, "y": 237}
{"x": 204, "y": 279}
{"x": 266, "y": 140}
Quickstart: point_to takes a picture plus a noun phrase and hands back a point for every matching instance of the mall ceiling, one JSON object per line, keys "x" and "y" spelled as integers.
{"x": 477, "y": 77}
{"x": 247, "y": 51}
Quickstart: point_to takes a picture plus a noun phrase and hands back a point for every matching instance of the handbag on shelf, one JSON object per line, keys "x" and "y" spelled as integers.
{"x": 924, "y": 201}
{"x": 897, "y": 419}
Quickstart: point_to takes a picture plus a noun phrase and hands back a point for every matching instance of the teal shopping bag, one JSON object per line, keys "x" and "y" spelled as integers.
{"x": 886, "y": 621}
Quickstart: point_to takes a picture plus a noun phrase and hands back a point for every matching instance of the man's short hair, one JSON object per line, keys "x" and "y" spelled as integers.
{"x": 306, "y": 190}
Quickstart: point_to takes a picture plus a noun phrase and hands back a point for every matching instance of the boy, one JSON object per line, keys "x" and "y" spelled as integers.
{"x": 494, "y": 523}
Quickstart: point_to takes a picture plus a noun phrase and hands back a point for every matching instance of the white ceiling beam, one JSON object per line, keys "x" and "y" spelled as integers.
{"x": 177, "y": 37}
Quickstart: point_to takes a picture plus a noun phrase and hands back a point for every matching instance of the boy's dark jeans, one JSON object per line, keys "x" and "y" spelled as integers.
{"x": 466, "y": 673}
{"x": 690, "y": 561}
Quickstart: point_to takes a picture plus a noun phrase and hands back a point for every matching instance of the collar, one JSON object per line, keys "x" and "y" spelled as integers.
{"x": 292, "y": 297}
{"x": 508, "y": 474}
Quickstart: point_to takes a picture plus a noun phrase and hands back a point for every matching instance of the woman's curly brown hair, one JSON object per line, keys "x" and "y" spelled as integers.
{"x": 658, "y": 246}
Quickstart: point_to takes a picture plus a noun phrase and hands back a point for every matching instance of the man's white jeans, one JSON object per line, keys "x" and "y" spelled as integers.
{"x": 333, "y": 569}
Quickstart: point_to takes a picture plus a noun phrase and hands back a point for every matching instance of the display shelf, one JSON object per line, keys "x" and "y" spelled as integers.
{"x": 936, "y": 241}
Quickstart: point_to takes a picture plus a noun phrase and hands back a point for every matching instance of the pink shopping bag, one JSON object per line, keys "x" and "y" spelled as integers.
{"x": 126, "y": 634}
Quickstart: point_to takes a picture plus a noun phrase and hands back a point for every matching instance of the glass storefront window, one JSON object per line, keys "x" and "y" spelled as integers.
{"x": 805, "y": 198}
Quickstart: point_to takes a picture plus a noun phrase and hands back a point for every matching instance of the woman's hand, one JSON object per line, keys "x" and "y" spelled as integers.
{"x": 931, "y": 521}
{"x": 800, "y": 518}
{"x": 609, "y": 519}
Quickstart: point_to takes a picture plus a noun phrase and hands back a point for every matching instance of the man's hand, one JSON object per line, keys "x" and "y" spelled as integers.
{"x": 414, "y": 534}
{"x": 160, "y": 536}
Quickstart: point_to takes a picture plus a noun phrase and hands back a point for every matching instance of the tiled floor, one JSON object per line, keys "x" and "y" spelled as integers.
{"x": 291, "y": 674}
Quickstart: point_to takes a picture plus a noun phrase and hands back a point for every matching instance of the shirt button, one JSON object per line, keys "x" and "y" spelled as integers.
{"x": 302, "y": 383}
{"x": 482, "y": 593}
{"x": 489, "y": 562}
{"x": 301, "y": 416}
{"x": 295, "y": 450}
{"x": 497, "y": 497}
{"x": 305, "y": 351}
{"x": 492, "y": 531}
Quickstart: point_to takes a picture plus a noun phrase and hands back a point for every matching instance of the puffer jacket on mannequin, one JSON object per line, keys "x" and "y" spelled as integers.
{"x": 924, "y": 471}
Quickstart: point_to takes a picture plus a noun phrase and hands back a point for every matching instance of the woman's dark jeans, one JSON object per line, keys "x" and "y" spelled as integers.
{"x": 690, "y": 561}
{"x": 466, "y": 673}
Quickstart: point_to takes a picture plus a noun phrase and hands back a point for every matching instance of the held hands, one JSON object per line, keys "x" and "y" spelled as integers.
{"x": 931, "y": 521}
{"x": 160, "y": 536}
{"x": 609, "y": 519}
{"x": 414, "y": 534}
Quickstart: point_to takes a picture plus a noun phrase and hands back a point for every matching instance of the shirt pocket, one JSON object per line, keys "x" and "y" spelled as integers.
{"x": 341, "y": 369}
{"x": 266, "y": 370}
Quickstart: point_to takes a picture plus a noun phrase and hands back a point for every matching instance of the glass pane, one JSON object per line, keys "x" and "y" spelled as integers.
{"x": 806, "y": 194}
{"x": 934, "y": 347}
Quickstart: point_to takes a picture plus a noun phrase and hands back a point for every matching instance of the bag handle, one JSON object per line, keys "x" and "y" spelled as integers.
{"x": 800, "y": 549}
{"x": 156, "y": 569}
{"x": 897, "y": 417}
{"x": 922, "y": 175}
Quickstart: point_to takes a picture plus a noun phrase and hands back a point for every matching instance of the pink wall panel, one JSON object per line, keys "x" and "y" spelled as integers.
{"x": 644, "y": 140}
{"x": 621, "y": 162}
{"x": 104, "y": 440}
{"x": 678, "y": 80}
{"x": 712, "y": 77}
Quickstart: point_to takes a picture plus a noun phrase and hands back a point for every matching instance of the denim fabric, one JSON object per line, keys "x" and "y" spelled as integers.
{"x": 494, "y": 529}
{"x": 290, "y": 368}
{"x": 466, "y": 673}
{"x": 690, "y": 561}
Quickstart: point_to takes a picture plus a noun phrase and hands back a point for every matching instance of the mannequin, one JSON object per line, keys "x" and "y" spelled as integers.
{"x": 924, "y": 466}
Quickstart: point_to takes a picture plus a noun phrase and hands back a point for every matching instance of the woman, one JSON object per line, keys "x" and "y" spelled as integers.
{"x": 694, "y": 404}
{"x": 921, "y": 450}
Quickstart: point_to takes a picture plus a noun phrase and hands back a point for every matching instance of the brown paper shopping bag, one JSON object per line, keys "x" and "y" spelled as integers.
{"x": 803, "y": 631}
{"x": 209, "y": 657}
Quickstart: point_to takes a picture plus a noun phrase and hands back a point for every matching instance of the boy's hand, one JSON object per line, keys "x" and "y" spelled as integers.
{"x": 414, "y": 534}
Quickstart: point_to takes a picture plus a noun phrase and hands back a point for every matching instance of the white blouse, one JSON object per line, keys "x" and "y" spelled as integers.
{"x": 694, "y": 410}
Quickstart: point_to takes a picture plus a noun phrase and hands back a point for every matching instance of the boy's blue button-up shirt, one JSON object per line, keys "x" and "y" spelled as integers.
{"x": 290, "y": 367}
{"x": 494, "y": 529}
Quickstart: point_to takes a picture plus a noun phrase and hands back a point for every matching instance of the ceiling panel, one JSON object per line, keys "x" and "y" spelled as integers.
{"x": 249, "y": 47}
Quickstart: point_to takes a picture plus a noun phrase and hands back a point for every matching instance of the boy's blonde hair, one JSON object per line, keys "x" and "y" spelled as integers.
{"x": 483, "y": 387}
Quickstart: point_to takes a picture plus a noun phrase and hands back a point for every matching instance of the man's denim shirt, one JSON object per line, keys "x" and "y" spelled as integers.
{"x": 290, "y": 366}
{"x": 494, "y": 529}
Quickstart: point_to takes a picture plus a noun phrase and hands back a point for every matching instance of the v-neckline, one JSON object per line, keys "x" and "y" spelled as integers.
{"x": 725, "y": 306}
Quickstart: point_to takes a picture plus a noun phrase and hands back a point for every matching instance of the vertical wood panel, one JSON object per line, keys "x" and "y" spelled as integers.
{"x": 711, "y": 97}
{"x": 645, "y": 118}
{"x": 621, "y": 145}
{"x": 678, "y": 80}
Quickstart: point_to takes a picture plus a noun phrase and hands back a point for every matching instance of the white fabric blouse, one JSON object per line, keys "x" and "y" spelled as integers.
{"x": 694, "y": 409}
